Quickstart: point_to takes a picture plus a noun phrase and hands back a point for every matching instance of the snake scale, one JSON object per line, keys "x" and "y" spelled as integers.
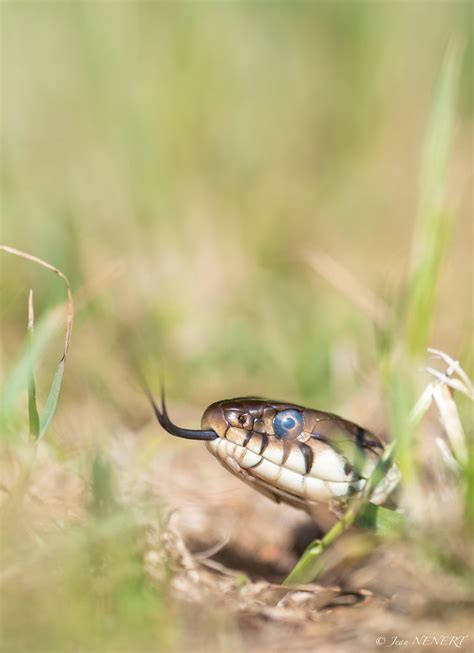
{"x": 292, "y": 454}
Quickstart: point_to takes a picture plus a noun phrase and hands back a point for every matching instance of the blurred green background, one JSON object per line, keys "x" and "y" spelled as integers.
{"x": 188, "y": 166}
{"x": 180, "y": 162}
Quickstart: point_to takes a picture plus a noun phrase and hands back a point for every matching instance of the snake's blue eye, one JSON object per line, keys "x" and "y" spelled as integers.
{"x": 288, "y": 424}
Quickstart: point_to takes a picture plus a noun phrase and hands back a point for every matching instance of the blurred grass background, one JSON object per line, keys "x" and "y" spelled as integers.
{"x": 181, "y": 163}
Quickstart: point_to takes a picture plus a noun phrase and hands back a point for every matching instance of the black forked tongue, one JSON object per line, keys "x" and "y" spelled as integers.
{"x": 163, "y": 418}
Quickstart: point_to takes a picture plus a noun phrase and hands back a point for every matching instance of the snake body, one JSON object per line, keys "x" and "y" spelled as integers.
{"x": 292, "y": 454}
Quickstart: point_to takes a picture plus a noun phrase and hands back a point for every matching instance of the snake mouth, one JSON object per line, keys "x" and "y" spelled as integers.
{"x": 165, "y": 421}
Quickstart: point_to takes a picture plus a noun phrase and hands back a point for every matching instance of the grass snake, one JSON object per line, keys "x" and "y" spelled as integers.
{"x": 292, "y": 454}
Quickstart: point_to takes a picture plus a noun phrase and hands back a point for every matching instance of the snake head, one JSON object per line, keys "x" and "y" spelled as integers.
{"x": 292, "y": 454}
{"x": 297, "y": 454}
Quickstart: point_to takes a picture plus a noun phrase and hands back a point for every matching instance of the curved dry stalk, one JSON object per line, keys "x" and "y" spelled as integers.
{"x": 39, "y": 429}
{"x": 48, "y": 266}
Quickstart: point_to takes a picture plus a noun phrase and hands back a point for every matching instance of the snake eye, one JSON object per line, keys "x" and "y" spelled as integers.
{"x": 288, "y": 424}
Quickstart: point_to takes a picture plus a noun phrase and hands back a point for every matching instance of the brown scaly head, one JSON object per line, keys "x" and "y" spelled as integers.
{"x": 292, "y": 454}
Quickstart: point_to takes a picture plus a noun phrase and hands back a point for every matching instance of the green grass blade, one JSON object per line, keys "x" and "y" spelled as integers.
{"x": 379, "y": 520}
{"x": 19, "y": 376}
{"x": 383, "y": 521}
{"x": 401, "y": 393}
{"x": 439, "y": 134}
{"x": 469, "y": 491}
{"x": 52, "y": 400}
{"x": 310, "y": 565}
{"x": 32, "y": 408}
{"x": 433, "y": 220}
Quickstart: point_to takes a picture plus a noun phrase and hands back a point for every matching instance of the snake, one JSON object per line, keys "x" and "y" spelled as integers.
{"x": 292, "y": 454}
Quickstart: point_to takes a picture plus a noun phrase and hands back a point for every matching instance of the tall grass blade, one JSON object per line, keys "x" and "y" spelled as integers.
{"x": 18, "y": 378}
{"x": 52, "y": 401}
{"x": 32, "y": 408}
{"x": 433, "y": 223}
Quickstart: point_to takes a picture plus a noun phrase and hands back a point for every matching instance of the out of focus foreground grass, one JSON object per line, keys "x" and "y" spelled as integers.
{"x": 231, "y": 190}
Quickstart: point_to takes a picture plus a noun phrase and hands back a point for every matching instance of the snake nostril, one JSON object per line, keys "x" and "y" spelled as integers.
{"x": 246, "y": 421}
{"x": 239, "y": 419}
{"x": 232, "y": 417}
